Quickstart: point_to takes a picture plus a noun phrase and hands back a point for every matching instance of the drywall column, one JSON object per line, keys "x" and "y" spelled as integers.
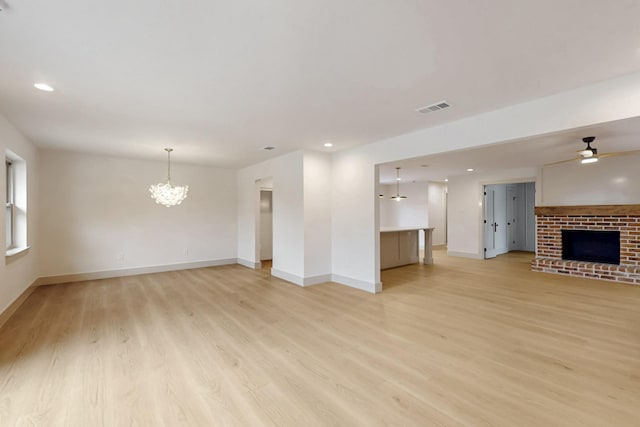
{"x": 355, "y": 221}
{"x": 317, "y": 218}
{"x": 301, "y": 216}
{"x": 288, "y": 217}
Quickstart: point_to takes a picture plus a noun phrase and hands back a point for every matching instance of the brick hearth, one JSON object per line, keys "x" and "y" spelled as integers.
{"x": 624, "y": 218}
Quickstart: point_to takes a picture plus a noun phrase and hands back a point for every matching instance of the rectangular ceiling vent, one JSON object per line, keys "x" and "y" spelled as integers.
{"x": 434, "y": 107}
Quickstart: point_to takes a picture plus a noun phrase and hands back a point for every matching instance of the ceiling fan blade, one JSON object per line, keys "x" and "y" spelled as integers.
{"x": 619, "y": 153}
{"x": 563, "y": 161}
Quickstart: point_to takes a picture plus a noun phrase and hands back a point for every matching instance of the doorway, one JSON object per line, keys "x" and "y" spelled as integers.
{"x": 509, "y": 221}
{"x": 266, "y": 225}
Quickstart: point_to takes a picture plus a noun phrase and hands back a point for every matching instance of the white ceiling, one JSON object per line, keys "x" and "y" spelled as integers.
{"x": 612, "y": 137}
{"x": 220, "y": 80}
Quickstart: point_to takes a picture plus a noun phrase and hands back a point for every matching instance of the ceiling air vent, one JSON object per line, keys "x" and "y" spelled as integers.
{"x": 434, "y": 107}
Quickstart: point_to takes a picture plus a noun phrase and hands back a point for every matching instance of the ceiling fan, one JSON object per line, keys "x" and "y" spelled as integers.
{"x": 590, "y": 154}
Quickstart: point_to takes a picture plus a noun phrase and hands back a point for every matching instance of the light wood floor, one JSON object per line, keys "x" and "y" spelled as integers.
{"x": 460, "y": 343}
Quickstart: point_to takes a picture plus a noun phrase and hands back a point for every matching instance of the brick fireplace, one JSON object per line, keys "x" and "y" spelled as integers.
{"x": 551, "y": 220}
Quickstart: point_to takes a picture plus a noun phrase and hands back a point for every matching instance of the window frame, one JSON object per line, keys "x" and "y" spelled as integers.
{"x": 10, "y": 205}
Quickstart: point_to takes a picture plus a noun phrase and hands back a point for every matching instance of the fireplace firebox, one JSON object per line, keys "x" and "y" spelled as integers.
{"x": 591, "y": 246}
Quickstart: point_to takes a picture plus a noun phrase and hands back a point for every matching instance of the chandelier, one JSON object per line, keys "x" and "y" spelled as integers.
{"x": 166, "y": 194}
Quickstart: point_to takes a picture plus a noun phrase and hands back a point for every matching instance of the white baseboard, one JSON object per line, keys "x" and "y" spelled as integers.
{"x": 358, "y": 284}
{"x": 299, "y": 280}
{"x": 11, "y": 308}
{"x": 295, "y": 279}
{"x": 316, "y": 280}
{"x": 250, "y": 264}
{"x": 465, "y": 255}
{"x": 78, "y": 277}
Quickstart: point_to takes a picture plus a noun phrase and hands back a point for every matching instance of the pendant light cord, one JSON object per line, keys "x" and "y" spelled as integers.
{"x": 169, "y": 150}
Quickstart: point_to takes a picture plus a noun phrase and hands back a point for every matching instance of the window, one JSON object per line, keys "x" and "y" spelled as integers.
{"x": 10, "y": 206}
{"x": 15, "y": 204}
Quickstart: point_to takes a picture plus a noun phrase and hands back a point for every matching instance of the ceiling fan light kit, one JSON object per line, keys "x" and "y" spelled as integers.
{"x": 590, "y": 154}
{"x": 589, "y": 151}
{"x": 587, "y": 160}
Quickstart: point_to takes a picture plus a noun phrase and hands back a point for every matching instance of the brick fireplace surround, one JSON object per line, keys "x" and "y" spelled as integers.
{"x": 550, "y": 220}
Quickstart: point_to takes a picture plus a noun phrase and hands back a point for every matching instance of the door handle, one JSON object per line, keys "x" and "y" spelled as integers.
{"x": 495, "y": 227}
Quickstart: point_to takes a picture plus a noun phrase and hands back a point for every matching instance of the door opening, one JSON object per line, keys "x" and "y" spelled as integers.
{"x": 266, "y": 225}
{"x": 509, "y": 221}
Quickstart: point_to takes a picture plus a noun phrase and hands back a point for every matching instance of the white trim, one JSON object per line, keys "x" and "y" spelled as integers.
{"x": 299, "y": 280}
{"x": 15, "y": 251}
{"x": 324, "y": 278}
{"x": 465, "y": 255}
{"x": 250, "y": 264}
{"x": 78, "y": 277}
{"x": 370, "y": 287}
{"x": 296, "y": 280}
{"x": 11, "y": 308}
{"x": 315, "y": 280}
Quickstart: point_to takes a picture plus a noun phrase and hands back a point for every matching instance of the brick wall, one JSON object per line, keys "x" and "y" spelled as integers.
{"x": 549, "y": 246}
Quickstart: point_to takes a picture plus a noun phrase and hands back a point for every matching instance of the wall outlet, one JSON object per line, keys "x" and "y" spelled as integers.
{"x": 120, "y": 256}
{"x": 185, "y": 252}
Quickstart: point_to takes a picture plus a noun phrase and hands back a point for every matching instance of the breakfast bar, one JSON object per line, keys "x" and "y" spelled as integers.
{"x": 399, "y": 246}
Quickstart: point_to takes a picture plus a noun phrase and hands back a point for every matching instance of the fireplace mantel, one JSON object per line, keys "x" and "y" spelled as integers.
{"x": 595, "y": 210}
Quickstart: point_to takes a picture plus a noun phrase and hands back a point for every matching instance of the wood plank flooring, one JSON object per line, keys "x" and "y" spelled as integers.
{"x": 458, "y": 343}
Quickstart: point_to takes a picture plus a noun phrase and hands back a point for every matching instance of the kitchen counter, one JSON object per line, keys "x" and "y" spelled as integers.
{"x": 399, "y": 246}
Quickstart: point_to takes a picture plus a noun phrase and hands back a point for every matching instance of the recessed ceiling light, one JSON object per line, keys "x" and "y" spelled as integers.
{"x": 470, "y": 170}
{"x": 446, "y": 180}
{"x": 268, "y": 148}
{"x": 424, "y": 166}
{"x": 328, "y": 144}
{"x": 43, "y": 86}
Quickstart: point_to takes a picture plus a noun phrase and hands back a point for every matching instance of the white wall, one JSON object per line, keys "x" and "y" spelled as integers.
{"x": 288, "y": 217}
{"x": 410, "y": 212}
{"x": 425, "y": 206}
{"x": 525, "y": 230}
{"x": 18, "y": 272}
{"x": 317, "y": 217}
{"x": 98, "y": 216}
{"x": 388, "y": 208}
{"x": 355, "y": 204}
{"x": 612, "y": 180}
{"x": 436, "y": 206}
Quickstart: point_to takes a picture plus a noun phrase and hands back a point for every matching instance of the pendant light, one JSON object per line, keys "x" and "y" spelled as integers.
{"x": 398, "y": 197}
{"x": 166, "y": 194}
